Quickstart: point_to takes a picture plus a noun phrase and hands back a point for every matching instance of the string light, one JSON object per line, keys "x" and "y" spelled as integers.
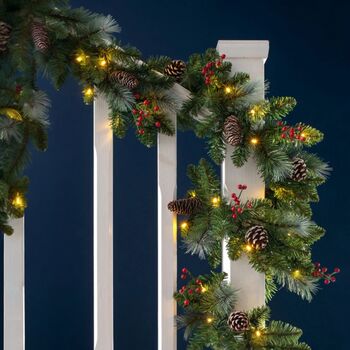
{"x": 296, "y": 273}
{"x": 254, "y": 141}
{"x": 248, "y": 248}
{"x": 193, "y": 194}
{"x": 228, "y": 89}
{"x": 204, "y": 289}
{"x": 215, "y": 201}
{"x": 184, "y": 225}
{"x": 102, "y": 62}
{"x": 18, "y": 201}
{"x": 88, "y": 91}
{"x": 258, "y": 333}
{"x": 210, "y": 320}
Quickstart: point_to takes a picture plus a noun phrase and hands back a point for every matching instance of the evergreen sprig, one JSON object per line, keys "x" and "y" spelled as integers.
{"x": 286, "y": 259}
{"x": 208, "y": 300}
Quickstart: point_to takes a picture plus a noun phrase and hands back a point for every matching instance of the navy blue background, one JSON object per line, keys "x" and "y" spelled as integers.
{"x": 309, "y": 59}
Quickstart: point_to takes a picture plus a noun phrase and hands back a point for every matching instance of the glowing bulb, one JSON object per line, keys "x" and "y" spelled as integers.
{"x": 193, "y": 194}
{"x": 79, "y": 58}
{"x": 215, "y": 201}
{"x": 258, "y": 333}
{"x": 296, "y": 274}
{"x": 254, "y": 141}
{"x": 88, "y": 91}
{"x": 303, "y": 134}
{"x": 210, "y": 320}
{"x": 228, "y": 89}
{"x": 204, "y": 289}
{"x": 18, "y": 201}
{"x": 184, "y": 225}
{"x": 102, "y": 62}
{"x": 248, "y": 248}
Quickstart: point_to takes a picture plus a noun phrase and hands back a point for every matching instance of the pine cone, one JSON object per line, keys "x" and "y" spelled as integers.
{"x": 124, "y": 78}
{"x": 232, "y": 131}
{"x": 40, "y": 37}
{"x": 175, "y": 69}
{"x": 299, "y": 171}
{"x": 238, "y": 321}
{"x": 185, "y": 206}
{"x": 5, "y": 33}
{"x": 257, "y": 236}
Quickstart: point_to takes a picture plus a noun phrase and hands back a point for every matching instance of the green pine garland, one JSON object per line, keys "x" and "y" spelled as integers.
{"x": 207, "y": 302}
{"x": 52, "y": 39}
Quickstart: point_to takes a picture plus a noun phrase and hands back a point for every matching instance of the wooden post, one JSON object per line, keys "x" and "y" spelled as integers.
{"x": 249, "y": 57}
{"x": 14, "y": 301}
{"x": 103, "y": 227}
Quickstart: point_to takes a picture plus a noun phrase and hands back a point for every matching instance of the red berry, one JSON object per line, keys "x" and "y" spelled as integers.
{"x": 303, "y": 139}
{"x": 234, "y": 216}
{"x": 157, "y": 124}
{"x": 240, "y": 186}
{"x": 240, "y": 210}
{"x": 190, "y": 291}
{"x": 138, "y": 123}
{"x": 223, "y": 56}
{"x": 146, "y": 102}
{"x": 183, "y": 276}
{"x": 198, "y": 290}
{"x": 134, "y": 111}
{"x": 245, "y": 187}
{"x": 279, "y": 123}
{"x": 285, "y": 128}
{"x": 333, "y": 279}
{"x": 156, "y": 108}
{"x": 234, "y": 195}
{"x": 233, "y": 209}
{"x": 198, "y": 281}
{"x": 218, "y": 64}
{"x": 337, "y": 270}
{"x": 184, "y": 270}
{"x": 317, "y": 264}
{"x": 249, "y": 205}
{"x": 326, "y": 281}
{"x": 137, "y": 95}
{"x": 324, "y": 269}
{"x": 186, "y": 302}
{"x": 181, "y": 291}
{"x": 283, "y": 136}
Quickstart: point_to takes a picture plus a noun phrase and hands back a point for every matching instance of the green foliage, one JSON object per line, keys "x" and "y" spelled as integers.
{"x": 286, "y": 260}
{"x": 81, "y": 44}
{"x": 207, "y": 301}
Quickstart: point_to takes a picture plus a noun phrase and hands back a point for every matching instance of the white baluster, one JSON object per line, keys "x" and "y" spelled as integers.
{"x": 103, "y": 227}
{"x": 14, "y": 301}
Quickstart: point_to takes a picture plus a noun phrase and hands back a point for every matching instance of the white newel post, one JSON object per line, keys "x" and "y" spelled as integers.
{"x": 14, "y": 301}
{"x": 249, "y": 57}
{"x": 103, "y": 227}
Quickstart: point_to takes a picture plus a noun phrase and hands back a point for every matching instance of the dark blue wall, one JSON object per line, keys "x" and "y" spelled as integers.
{"x": 309, "y": 59}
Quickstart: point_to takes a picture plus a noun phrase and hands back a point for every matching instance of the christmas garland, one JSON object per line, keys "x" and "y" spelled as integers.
{"x": 276, "y": 238}
{"x": 209, "y": 321}
{"x": 277, "y": 233}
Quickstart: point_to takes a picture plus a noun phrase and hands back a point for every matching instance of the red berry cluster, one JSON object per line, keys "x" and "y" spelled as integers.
{"x": 321, "y": 272}
{"x": 146, "y": 114}
{"x": 208, "y": 70}
{"x": 291, "y": 133}
{"x": 189, "y": 294}
{"x": 236, "y": 206}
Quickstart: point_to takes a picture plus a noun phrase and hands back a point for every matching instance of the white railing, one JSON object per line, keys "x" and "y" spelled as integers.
{"x": 246, "y": 56}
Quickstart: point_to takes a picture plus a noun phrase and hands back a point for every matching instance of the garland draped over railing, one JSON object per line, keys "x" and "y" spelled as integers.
{"x": 51, "y": 39}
